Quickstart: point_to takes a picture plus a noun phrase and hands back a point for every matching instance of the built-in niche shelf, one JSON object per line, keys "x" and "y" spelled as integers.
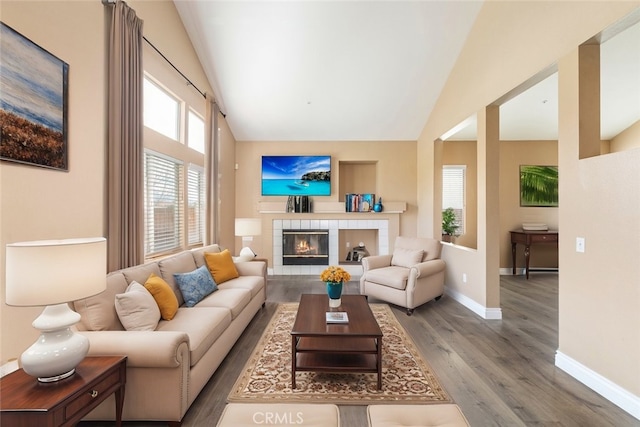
{"x": 356, "y": 177}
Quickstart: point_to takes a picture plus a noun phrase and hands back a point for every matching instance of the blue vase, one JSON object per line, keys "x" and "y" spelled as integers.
{"x": 378, "y": 206}
{"x": 334, "y": 291}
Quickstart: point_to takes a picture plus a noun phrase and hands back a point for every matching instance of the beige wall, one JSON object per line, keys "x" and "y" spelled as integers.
{"x": 599, "y": 301}
{"x": 627, "y": 139}
{"x": 512, "y": 215}
{"x": 37, "y": 203}
{"x": 395, "y": 175}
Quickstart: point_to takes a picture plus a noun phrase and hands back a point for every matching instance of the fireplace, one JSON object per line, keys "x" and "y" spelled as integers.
{"x": 305, "y": 247}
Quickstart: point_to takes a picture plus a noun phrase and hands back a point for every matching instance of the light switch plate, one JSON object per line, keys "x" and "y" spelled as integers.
{"x": 579, "y": 244}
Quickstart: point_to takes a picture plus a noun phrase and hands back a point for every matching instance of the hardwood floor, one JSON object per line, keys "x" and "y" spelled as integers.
{"x": 500, "y": 372}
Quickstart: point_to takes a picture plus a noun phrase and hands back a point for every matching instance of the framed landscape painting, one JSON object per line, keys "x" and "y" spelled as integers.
{"x": 33, "y": 103}
{"x": 538, "y": 186}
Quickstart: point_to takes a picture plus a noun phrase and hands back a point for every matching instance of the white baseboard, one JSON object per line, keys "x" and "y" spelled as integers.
{"x": 507, "y": 271}
{"x": 7, "y": 368}
{"x": 601, "y": 385}
{"x": 479, "y": 309}
{"x": 522, "y": 271}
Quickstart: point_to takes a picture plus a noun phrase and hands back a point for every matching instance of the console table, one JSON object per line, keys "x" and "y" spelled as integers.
{"x": 528, "y": 238}
{"x": 27, "y": 402}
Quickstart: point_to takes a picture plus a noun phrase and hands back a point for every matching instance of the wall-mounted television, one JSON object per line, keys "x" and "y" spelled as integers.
{"x": 296, "y": 175}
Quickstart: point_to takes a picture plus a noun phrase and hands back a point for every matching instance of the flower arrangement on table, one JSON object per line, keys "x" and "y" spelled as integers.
{"x": 334, "y": 277}
{"x": 335, "y": 274}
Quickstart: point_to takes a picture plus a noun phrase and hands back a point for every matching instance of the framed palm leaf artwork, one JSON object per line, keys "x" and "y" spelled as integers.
{"x": 538, "y": 186}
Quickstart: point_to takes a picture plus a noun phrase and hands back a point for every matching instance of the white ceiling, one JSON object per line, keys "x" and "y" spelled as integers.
{"x": 368, "y": 70}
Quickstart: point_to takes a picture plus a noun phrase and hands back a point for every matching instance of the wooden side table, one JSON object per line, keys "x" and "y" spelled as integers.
{"x": 26, "y": 402}
{"x": 528, "y": 238}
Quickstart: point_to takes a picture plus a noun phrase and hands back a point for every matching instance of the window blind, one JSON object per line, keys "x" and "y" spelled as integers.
{"x": 196, "y": 205}
{"x": 453, "y": 189}
{"x": 162, "y": 193}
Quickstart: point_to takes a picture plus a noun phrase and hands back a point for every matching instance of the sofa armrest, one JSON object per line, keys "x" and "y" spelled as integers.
{"x": 429, "y": 268}
{"x": 375, "y": 261}
{"x": 252, "y": 268}
{"x": 144, "y": 349}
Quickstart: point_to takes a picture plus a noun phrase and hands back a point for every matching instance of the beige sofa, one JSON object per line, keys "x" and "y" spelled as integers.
{"x": 410, "y": 277}
{"x": 168, "y": 367}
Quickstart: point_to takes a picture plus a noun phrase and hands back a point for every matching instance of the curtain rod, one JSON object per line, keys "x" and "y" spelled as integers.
{"x": 173, "y": 66}
{"x": 189, "y": 82}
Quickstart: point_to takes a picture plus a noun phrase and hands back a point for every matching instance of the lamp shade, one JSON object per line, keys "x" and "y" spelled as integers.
{"x": 248, "y": 226}
{"x": 48, "y": 272}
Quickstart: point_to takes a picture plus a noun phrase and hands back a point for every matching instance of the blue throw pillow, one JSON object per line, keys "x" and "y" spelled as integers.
{"x": 195, "y": 285}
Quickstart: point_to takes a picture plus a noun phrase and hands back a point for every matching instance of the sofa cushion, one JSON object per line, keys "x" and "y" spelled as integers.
{"x": 180, "y": 263}
{"x": 221, "y": 266}
{"x": 164, "y": 296}
{"x": 137, "y": 309}
{"x": 394, "y": 277}
{"x": 253, "y": 283}
{"x": 140, "y": 273}
{"x": 98, "y": 313}
{"x": 406, "y": 257}
{"x": 198, "y": 253}
{"x": 203, "y": 325}
{"x": 195, "y": 285}
{"x": 232, "y": 299}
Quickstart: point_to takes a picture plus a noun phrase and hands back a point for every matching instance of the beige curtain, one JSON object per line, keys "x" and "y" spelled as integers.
{"x": 125, "y": 222}
{"x": 211, "y": 157}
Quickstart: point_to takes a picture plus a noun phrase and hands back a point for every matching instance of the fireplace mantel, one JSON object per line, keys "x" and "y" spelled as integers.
{"x": 329, "y": 208}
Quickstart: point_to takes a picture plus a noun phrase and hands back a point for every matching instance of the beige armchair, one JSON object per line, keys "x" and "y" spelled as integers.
{"x": 411, "y": 276}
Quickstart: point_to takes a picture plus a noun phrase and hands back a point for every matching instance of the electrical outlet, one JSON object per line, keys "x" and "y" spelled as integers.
{"x": 464, "y": 277}
{"x": 348, "y": 244}
{"x": 580, "y": 244}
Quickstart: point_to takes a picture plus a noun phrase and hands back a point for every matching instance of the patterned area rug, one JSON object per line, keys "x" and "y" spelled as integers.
{"x": 406, "y": 376}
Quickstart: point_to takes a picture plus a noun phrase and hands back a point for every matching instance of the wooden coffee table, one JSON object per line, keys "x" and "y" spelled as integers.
{"x": 322, "y": 347}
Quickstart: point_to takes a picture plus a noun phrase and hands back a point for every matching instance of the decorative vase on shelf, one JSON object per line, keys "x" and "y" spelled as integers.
{"x": 334, "y": 290}
{"x": 378, "y": 206}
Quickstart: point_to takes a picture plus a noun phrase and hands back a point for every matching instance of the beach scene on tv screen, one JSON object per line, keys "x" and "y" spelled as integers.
{"x": 296, "y": 175}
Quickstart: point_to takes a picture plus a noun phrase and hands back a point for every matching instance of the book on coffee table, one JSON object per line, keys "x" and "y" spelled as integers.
{"x": 337, "y": 317}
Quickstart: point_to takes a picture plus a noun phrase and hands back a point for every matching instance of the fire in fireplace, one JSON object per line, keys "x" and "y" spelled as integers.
{"x": 305, "y": 247}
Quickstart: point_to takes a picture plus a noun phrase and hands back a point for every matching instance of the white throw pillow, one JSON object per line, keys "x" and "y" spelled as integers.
{"x": 137, "y": 309}
{"x": 406, "y": 257}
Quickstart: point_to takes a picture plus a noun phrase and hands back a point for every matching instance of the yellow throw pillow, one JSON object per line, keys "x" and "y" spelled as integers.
{"x": 164, "y": 296}
{"x": 221, "y": 266}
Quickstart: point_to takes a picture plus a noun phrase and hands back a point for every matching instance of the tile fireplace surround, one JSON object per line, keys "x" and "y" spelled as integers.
{"x": 334, "y": 226}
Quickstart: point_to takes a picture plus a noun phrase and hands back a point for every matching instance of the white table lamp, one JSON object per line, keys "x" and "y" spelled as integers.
{"x": 53, "y": 273}
{"x": 247, "y": 228}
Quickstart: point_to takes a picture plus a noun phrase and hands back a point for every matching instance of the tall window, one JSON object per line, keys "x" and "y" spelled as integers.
{"x": 195, "y": 137}
{"x": 161, "y": 111}
{"x": 453, "y": 192}
{"x": 163, "y": 212}
{"x": 174, "y": 205}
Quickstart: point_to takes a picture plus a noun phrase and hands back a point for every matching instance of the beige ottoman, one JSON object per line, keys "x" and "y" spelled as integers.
{"x": 436, "y": 415}
{"x": 279, "y": 414}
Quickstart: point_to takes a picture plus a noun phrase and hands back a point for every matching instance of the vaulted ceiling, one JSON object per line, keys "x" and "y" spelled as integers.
{"x": 367, "y": 70}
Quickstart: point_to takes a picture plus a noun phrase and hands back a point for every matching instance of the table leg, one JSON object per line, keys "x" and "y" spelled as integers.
{"x": 527, "y": 252}
{"x": 119, "y": 404}
{"x": 293, "y": 362}
{"x": 379, "y": 363}
{"x": 513, "y": 258}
